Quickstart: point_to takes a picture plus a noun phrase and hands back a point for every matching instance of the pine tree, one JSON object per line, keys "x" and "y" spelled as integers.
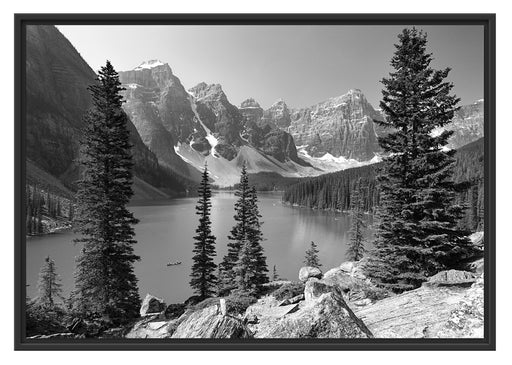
{"x": 244, "y": 270}
{"x": 246, "y": 232}
{"x": 311, "y": 258}
{"x": 239, "y": 232}
{"x": 203, "y": 279}
{"x": 49, "y": 286}
{"x": 417, "y": 234}
{"x": 356, "y": 249}
{"x": 255, "y": 237}
{"x": 106, "y": 286}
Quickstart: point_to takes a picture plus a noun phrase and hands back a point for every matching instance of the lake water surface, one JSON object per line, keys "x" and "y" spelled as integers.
{"x": 165, "y": 234}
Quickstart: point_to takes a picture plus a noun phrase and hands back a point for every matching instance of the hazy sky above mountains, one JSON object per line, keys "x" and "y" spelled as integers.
{"x": 302, "y": 65}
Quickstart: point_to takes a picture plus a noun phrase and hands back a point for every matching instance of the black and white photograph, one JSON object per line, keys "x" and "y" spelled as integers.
{"x": 247, "y": 183}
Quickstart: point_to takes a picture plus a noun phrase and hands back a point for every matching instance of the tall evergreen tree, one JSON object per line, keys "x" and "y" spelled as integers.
{"x": 356, "y": 249}
{"x": 49, "y": 286}
{"x": 417, "y": 234}
{"x": 255, "y": 237}
{"x": 244, "y": 270}
{"x": 311, "y": 258}
{"x": 203, "y": 279}
{"x": 245, "y": 234}
{"x": 238, "y": 234}
{"x": 106, "y": 285}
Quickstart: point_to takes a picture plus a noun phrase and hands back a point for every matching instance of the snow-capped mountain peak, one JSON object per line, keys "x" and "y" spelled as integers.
{"x": 149, "y": 64}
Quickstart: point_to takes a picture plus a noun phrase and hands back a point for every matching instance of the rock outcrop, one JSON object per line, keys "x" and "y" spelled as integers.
{"x": 307, "y": 272}
{"x": 151, "y": 305}
{"x": 159, "y": 107}
{"x": 278, "y": 114}
{"x": 427, "y": 312}
{"x": 340, "y": 126}
{"x": 265, "y": 133}
{"x": 220, "y": 116}
{"x": 341, "y": 304}
{"x": 209, "y": 322}
{"x": 326, "y": 316}
{"x": 451, "y": 278}
{"x": 315, "y": 288}
{"x": 467, "y": 125}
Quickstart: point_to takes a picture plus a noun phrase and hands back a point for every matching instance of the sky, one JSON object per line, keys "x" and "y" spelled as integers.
{"x": 302, "y": 65}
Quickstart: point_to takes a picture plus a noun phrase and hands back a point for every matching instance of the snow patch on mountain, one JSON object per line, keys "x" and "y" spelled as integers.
{"x": 329, "y": 163}
{"x": 149, "y": 64}
{"x": 212, "y": 140}
{"x": 227, "y": 173}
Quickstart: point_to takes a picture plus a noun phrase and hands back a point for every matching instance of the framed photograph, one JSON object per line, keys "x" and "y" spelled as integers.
{"x": 255, "y": 182}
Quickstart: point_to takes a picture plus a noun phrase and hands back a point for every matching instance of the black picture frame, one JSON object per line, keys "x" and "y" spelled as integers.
{"x": 488, "y": 21}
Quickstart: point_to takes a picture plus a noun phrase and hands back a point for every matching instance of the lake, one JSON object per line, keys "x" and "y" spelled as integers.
{"x": 165, "y": 234}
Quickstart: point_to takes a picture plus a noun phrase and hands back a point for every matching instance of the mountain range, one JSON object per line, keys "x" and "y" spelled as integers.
{"x": 57, "y": 97}
{"x": 175, "y": 130}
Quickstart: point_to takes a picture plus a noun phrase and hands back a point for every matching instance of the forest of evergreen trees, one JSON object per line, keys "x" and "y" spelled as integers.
{"x": 333, "y": 191}
{"x": 43, "y": 206}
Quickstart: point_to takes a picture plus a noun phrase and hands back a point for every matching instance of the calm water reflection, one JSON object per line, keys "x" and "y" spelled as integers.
{"x": 165, "y": 234}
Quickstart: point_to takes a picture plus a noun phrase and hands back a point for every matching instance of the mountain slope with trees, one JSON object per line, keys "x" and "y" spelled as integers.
{"x": 57, "y": 98}
{"x": 334, "y": 191}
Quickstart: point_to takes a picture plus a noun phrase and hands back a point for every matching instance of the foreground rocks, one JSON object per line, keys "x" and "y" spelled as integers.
{"x": 309, "y": 272}
{"x": 210, "y": 322}
{"x": 452, "y": 278}
{"x": 342, "y": 303}
{"x": 432, "y": 311}
{"x": 151, "y": 305}
{"x": 327, "y": 316}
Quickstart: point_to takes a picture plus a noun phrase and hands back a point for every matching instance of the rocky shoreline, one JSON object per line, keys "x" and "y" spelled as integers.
{"x": 340, "y": 303}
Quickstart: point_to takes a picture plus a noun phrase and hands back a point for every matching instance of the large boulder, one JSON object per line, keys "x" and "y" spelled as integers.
{"x": 211, "y": 323}
{"x": 151, "y": 305}
{"x": 426, "y": 312}
{"x": 307, "y": 272}
{"x": 347, "y": 266}
{"x": 339, "y": 277}
{"x": 328, "y": 316}
{"x": 452, "y": 278}
{"x": 354, "y": 268}
{"x": 355, "y": 287}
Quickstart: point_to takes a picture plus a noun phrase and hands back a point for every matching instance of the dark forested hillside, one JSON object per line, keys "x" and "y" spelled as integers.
{"x": 57, "y": 98}
{"x": 333, "y": 191}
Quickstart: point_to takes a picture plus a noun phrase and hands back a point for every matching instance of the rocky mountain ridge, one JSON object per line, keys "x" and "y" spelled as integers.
{"x": 188, "y": 128}
{"x": 176, "y": 131}
{"x": 57, "y": 97}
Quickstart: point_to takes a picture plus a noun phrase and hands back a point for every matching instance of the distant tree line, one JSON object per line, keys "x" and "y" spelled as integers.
{"x": 42, "y": 202}
{"x": 335, "y": 191}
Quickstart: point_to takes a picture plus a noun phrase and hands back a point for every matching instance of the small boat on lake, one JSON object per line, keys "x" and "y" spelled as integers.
{"x": 174, "y": 263}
